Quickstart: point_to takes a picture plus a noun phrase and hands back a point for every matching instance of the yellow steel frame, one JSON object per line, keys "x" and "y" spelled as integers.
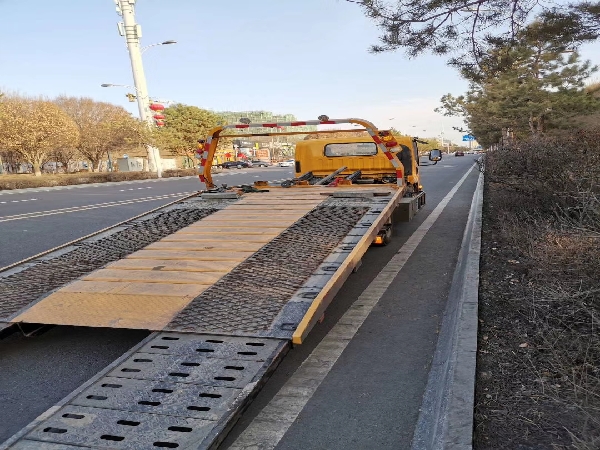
{"x": 215, "y": 135}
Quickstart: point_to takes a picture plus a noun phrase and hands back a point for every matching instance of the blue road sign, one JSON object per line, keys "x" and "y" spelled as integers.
{"x": 468, "y": 137}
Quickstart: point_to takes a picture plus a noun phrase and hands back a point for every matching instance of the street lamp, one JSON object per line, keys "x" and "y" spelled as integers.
{"x": 155, "y": 100}
{"x": 154, "y": 45}
{"x": 132, "y": 33}
{"x": 152, "y": 152}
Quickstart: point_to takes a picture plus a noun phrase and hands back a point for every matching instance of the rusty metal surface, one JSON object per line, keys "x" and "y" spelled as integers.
{"x": 248, "y": 299}
{"x": 21, "y": 288}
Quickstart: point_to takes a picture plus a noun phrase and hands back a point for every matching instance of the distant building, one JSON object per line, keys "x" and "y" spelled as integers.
{"x": 263, "y": 117}
{"x": 247, "y": 147}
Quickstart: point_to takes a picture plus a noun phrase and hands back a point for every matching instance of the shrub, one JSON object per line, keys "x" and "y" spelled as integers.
{"x": 557, "y": 176}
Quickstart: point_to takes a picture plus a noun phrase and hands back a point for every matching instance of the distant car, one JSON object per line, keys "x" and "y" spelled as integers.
{"x": 459, "y": 154}
{"x": 288, "y": 163}
{"x": 262, "y": 163}
{"x": 235, "y": 164}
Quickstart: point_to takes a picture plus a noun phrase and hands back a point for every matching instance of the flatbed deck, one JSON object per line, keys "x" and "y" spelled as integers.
{"x": 225, "y": 284}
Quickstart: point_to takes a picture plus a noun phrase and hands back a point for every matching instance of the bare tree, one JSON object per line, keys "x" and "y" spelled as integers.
{"x": 34, "y": 128}
{"x": 103, "y": 127}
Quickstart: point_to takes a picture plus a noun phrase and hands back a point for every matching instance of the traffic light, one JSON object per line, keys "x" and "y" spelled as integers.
{"x": 131, "y": 97}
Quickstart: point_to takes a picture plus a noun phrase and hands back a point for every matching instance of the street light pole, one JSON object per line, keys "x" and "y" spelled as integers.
{"x": 133, "y": 32}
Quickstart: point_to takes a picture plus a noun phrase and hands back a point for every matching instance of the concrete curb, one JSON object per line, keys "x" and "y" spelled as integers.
{"x": 446, "y": 413}
{"x": 85, "y": 185}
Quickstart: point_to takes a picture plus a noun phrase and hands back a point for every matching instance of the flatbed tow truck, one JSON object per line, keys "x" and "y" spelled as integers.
{"x": 227, "y": 280}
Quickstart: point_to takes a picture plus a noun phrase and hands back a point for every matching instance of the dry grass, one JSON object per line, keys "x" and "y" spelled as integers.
{"x": 538, "y": 381}
{"x": 179, "y": 173}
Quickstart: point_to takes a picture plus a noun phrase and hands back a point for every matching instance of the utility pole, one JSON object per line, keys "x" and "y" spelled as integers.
{"x": 133, "y": 33}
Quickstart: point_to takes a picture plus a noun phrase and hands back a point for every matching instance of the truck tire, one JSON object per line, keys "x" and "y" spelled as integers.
{"x": 389, "y": 231}
{"x": 387, "y": 235}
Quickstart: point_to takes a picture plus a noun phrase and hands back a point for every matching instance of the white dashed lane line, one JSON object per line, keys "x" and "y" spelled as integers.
{"x": 74, "y": 209}
{"x": 135, "y": 189}
{"x": 19, "y": 201}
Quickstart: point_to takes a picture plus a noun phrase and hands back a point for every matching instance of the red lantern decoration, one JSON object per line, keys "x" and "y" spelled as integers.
{"x": 160, "y": 124}
{"x": 227, "y": 155}
{"x": 241, "y": 155}
{"x": 156, "y": 107}
{"x": 159, "y": 116}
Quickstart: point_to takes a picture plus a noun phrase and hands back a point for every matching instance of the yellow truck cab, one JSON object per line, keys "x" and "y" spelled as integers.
{"x": 323, "y": 156}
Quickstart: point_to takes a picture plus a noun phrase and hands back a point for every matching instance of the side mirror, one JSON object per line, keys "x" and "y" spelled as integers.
{"x": 435, "y": 155}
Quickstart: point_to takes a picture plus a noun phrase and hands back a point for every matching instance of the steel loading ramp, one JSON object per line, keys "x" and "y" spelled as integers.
{"x": 172, "y": 390}
{"x": 251, "y": 267}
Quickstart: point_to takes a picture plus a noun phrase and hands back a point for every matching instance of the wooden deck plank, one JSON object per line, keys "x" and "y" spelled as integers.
{"x": 180, "y": 255}
{"x": 155, "y": 276}
{"x": 292, "y": 206}
{"x": 257, "y": 226}
{"x": 262, "y": 217}
{"x": 164, "y": 289}
{"x": 126, "y": 287}
{"x": 168, "y": 265}
{"x": 206, "y": 246}
{"x": 106, "y": 310}
{"x": 210, "y": 237}
{"x": 269, "y": 233}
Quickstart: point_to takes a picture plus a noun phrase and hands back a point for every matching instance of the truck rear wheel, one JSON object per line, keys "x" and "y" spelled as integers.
{"x": 387, "y": 235}
{"x": 384, "y": 237}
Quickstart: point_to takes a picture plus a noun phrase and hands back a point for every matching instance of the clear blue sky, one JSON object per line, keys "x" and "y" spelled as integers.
{"x": 307, "y": 58}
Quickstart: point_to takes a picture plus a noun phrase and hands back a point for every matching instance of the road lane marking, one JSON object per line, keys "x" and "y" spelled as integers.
{"x": 135, "y": 189}
{"x": 87, "y": 207}
{"x": 19, "y": 201}
{"x": 83, "y": 206}
{"x": 274, "y": 420}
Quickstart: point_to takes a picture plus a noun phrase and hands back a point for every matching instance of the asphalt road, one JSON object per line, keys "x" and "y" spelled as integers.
{"x": 32, "y": 222}
{"x": 370, "y": 399}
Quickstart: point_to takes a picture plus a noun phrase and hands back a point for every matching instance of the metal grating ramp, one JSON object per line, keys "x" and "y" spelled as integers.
{"x": 149, "y": 287}
{"x": 177, "y": 391}
{"x": 249, "y": 298}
